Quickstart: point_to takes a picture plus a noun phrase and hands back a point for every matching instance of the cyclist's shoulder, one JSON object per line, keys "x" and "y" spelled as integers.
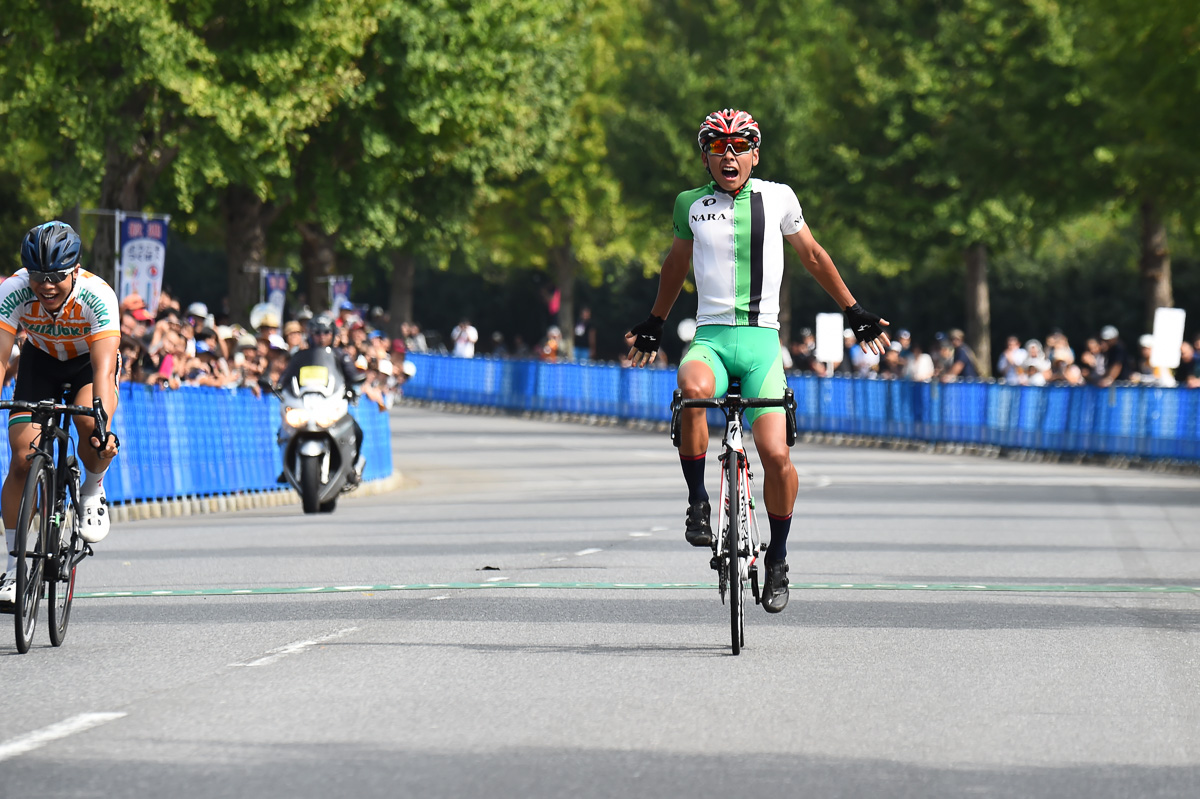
{"x": 771, "y": 187}
{"x": 686, "y": 198}
{"x": 15, "y": 292}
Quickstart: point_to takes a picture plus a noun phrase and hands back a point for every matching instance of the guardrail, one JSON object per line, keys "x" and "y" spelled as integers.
{"x": 205, "y": 442}
{"x": 1131, "y": 421}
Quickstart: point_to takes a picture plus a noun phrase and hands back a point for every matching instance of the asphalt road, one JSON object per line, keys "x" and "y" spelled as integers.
{"x": 906, "y": 665}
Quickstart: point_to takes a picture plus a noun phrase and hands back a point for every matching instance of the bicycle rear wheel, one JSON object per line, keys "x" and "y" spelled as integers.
{"x": 32, "y": 528}
{"x": 61, "y": 569}
{"x": 732, "y": 556}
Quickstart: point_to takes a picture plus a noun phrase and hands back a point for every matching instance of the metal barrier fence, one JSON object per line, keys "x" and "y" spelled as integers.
{"x": 200, "y": 442}
{"x": 1133, "y": 421}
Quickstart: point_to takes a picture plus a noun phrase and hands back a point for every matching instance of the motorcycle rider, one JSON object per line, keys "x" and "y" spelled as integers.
{"x": 320, "y": 335}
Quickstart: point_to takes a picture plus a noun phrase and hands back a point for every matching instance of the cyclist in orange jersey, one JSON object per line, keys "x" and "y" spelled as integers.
{"x": 74, "y": 333}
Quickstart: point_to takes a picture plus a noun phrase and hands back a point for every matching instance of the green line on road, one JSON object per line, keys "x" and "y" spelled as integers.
{"x": 348, "y": 589}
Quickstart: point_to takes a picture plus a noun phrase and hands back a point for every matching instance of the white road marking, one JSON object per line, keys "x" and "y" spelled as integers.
{"x": 589, "y": 551}
{"x": 39, "y": 738}
{"x": 640, "y": 535}
{"x": 436, "y": 598}
{"x": 495, "y": 579}
{"x": 293, "y": 648}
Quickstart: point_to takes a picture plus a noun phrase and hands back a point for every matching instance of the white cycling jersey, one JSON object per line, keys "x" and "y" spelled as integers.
{"x": 737, "y": 253}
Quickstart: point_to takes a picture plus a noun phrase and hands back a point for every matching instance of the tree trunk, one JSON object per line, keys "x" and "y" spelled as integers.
{"x": 246, "y": 221}
{"x": 563, "y": 261}
{"x": 118, "y": 192}
{"x": 785, "y": 309}
{"x": 1155, "y": 263}
{"x": 130, "y": 171}
{"x": 978, "y": 307}
{"x": 400, "y": 303}
{"x": 319, "y": 261}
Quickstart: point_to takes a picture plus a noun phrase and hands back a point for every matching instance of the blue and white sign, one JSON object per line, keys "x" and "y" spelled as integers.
{"x": 276, "y": 289}
{"x": 339, "y": 291}
{"x": 143, "y": 249}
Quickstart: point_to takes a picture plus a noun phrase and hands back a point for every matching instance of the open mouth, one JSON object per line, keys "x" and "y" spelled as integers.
{"x": 730, "y": 172}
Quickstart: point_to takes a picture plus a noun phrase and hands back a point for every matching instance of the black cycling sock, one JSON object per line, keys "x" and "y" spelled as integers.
{"x": 693, "y": 473}
{"x": 780, "y": 527}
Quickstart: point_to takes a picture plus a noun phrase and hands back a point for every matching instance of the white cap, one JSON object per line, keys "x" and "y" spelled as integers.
{"x": 1147, "y": 340}
{"x": 1108, "y": 332}
{"x": 385, "y": 366}
{"x": 197, "y": 309}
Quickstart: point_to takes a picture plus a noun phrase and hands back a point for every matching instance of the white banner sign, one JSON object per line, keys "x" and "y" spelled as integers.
{"x": 830, "y": 348}
{"x": 1168, "y": 336}
{"x": 143, "y": 250}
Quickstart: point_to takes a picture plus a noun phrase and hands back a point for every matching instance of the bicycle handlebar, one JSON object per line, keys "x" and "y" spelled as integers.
{"x": 50, "y": 407}
{"x": 737, "y": 402}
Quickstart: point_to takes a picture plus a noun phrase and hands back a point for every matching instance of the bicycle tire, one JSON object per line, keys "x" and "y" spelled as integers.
{"x": 61, "y": 575}
{"x": 732, "y": 556}
{"x": 310, "y": 482}
{"x": 33, "y": 516}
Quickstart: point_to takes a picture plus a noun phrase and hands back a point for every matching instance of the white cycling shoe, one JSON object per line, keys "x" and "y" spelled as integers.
{"x": 8, "y": 589}
{"x": 95, "y": 518}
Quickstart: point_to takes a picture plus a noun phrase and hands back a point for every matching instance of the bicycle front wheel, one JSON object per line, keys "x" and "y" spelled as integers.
{"x": 60, "y": 576}
{"x": 32, "y": 529}
{"x": 733, "y": 563}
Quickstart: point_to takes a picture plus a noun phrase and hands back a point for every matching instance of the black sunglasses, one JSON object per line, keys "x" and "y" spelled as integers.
{"x": 49, "y": 277}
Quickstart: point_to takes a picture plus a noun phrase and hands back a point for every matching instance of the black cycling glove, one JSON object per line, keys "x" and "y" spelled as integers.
{"x": 648, "y": 334}
{"x": 864, "y": 323}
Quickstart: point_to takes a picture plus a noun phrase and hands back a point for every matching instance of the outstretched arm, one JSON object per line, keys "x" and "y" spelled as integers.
{"x": 670, "y": 282}
{"x": 821, "y": 267}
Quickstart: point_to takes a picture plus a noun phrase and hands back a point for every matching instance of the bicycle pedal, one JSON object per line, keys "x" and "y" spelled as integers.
{"x": 715, "y": 564}
{"x": 87, "y": 551}
{"x": 754, "y": 585}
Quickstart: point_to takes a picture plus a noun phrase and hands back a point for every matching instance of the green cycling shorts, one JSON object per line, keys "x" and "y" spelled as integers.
{"x": 750, "y": 353}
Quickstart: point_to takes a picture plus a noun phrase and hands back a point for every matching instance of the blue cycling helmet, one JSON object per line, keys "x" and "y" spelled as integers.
{"x": 52, "y": 247}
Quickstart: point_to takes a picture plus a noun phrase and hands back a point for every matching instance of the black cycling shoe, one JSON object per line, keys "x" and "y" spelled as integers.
{"x": 775, "y": 589}
{"x": 697, "y": 530}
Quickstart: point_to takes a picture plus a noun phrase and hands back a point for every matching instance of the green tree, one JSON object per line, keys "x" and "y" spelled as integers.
{"x": 454, "y": 97}
{"x": 570, "y": 216}
{"x": 1143, "y": 64}
{"x": 965, "y": 126}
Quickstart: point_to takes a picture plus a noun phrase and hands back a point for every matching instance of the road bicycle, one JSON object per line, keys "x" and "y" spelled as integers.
{"x": 49, "y": 542}
{"x": 736, "y": 541}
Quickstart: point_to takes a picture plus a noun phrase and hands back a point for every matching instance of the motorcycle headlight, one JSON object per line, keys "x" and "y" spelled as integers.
{"x": 296, "y": 417}
{"x": 326, "y": 417}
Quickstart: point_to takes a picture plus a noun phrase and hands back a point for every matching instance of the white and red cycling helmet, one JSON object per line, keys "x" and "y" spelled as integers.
{"x": 728, "y": 122}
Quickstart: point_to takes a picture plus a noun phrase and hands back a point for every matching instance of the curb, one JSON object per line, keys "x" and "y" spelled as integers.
{"x": 225, "y": 503}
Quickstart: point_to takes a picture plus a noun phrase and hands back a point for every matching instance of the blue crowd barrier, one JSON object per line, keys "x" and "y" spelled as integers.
{"x": 1133, "y": 421}
{"x": 200, "y": 442}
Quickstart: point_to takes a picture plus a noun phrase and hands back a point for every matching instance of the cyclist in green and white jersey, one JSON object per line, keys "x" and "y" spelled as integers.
{"x": 731, "y": 231}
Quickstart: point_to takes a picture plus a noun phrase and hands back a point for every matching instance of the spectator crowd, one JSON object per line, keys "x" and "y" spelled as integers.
{"x": 1103, "y": 360}
{"x": 191, "y": 347}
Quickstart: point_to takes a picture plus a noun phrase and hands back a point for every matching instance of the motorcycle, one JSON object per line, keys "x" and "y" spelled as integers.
{"x": 318, "y": 435}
